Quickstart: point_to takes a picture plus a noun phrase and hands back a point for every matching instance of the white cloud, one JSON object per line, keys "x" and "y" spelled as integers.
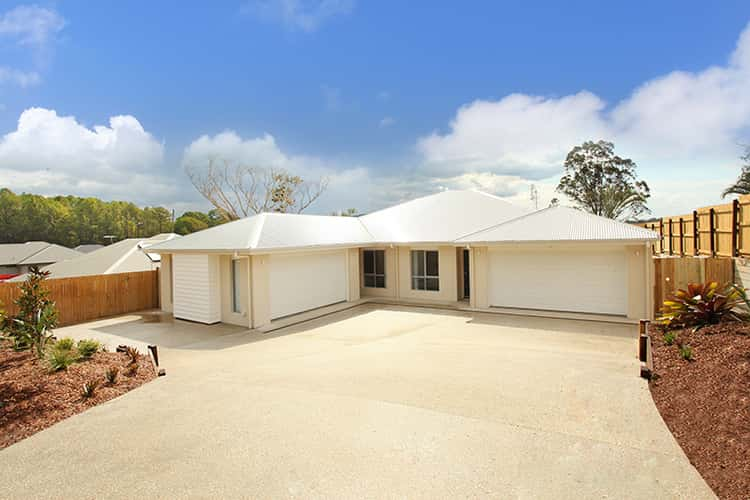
{"x": 681, "y": 124}
{"x": 52, "y": 154}
{"x": 33, "y": 28}
{"x": 31, "y": 25}
{"x": 302, "y": 15}
{"x": 387, "y": 122}
{"x": 20, "y": 78}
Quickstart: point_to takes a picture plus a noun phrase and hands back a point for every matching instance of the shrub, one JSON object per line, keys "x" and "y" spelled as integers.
{"x": 89, "y": 388}
{"x": 37, "y": 313}
{"x": 669, "y": 337}
{"x": 131, "y": 370}
{"x": 133, "y": 354}
{"x": 111, "y": 374}
{"x": 65, "y": 343}
{"x": 60, "y": 359}
{"x": 686, "y": 352}
{"x": 700, "y": 305}
{"x": 88, "y": 347}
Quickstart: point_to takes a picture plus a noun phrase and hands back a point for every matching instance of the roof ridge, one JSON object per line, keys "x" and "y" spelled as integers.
{"x": 35, "y": 253}
{"x": 502, "y": 223}
{"x": 252, "y": 241}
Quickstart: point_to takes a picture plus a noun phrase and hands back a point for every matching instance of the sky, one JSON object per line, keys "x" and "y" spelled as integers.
{"x": 388, "y": 100}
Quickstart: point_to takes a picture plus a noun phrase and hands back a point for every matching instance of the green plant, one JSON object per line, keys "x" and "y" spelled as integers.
{"x": 88, "y": 347}
{"x": 669, "y": 337}
{"x": 59, "y": 358}
{"x": 111, "y": 374}
{"x": 700, "y": 305}
{"x": 89, "y": 388}
{"x": 686, "y": 352}
{"x": 37, "y": 314}
{"x": 65, "y": 343}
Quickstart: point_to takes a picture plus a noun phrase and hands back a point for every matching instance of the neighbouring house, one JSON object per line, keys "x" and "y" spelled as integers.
{"x": 465, "y": 249}
{"x": 125, "y": 256}
{"x": 17, "y": 258}
{"x": 88, "y": 248}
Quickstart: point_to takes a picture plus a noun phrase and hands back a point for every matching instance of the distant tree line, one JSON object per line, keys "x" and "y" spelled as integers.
{"x": 72, "y": 220}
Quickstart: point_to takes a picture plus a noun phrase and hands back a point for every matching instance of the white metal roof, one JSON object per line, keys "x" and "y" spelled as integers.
{"x": 447, "y": 217}
{"x": 560, "y": 224}
{"x": 273, "y": 231}
{"x": 440, "y": 217}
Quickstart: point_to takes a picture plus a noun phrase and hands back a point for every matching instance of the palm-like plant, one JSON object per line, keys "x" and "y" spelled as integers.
{"x": 700, "y": 305}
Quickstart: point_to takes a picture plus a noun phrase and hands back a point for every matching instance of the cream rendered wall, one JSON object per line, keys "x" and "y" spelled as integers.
{"x": 353, "y": 283}
{"x": 227, "y": 315}
{"x": 259, "y": 286}
{"x": 391, "y": 274}
{"x": 478, "y": 275}
{"x": 448, "y": 275}
{"x": 639, "y": 282}
{"x": 165, "y": 283}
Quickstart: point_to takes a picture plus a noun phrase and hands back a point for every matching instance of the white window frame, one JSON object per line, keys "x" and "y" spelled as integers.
{"x": 422, "y": 255}
{"x": 375, "y": 274}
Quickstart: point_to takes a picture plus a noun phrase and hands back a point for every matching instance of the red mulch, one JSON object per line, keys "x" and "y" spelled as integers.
{"x": 706, "y": 402}
{"x": 32, "y": 398}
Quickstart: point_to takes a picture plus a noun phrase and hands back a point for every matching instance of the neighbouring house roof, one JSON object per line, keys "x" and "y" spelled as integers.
{"x": 34, "y": 253}
{"x": 125, "y": 256}
{"x": 451, "y": 217}
{"x": 88, "y": 248}
{"x": 560, "y": 224}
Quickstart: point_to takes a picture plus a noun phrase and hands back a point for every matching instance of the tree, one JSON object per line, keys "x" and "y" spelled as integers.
{"x": 237, "y": 190}
{"x": 185, "y": 224}
{"x": 601, "y": 182}
{"x": 348, "y": 212}
{"x": 742, "y": 186}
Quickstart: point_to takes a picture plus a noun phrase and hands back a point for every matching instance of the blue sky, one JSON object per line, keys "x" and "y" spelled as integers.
{"x": 387, "y": 99}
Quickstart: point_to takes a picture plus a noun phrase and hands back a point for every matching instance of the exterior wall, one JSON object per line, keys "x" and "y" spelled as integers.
{"x": 165, "y": 283}
{"x": 391, "y": 274}
{"x": 448, "y": 275}
{"x": 478, "y": 280}
{"x": 196, "y": 287}
{"x": 227, "y": 315}
{"x": 9, "y": 270}
{"x": 352, "y": 274}
{"x": 639, "y": 281}
{"x": 259, "y": 291}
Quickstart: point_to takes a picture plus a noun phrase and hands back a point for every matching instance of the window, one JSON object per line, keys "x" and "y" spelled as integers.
{"x": 425, "y": 274}
{"x": 374, "y": 261}
{"x": 236, "y": 286}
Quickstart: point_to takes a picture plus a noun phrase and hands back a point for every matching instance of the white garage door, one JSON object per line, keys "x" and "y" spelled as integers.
{"x": 579, "y": 280}
{"x": 300, "y": 282}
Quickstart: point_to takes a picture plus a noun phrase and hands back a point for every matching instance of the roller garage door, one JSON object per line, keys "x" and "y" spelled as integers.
{"x": 590, "y": 280}
{"x": 300, "y": 282}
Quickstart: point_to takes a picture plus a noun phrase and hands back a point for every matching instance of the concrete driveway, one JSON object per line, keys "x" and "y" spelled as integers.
{"x": 372, "y": 402}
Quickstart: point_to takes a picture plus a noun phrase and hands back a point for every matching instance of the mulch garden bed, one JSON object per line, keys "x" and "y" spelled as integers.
{"x": 32, "y": 398}
{"x": 706, "y": 402}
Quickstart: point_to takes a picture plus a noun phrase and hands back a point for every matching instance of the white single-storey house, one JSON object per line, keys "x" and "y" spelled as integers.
{"x": 461, "y": 248}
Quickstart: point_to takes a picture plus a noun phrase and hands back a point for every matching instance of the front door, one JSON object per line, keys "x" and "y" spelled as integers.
{"x": 467, "y": 286}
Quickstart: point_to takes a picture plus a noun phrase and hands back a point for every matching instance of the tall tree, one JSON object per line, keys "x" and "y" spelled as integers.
{"x": 237, "y": 190}
{"x": 742, "y": 186}
{"x": 601, "y": 182}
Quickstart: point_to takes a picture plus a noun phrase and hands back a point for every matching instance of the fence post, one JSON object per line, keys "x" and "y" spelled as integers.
{"x": 682, "y": 241}
{"x": 696, "y": 233}
{"x": 671, "y": 237}
{"x": 661, "y": 235}
{"x": 735, "y": 226}
{"x": 711, "y": 230}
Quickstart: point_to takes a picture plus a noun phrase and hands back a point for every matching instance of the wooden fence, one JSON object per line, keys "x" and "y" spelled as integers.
{"x": 673, "y": 273}
{"x": 90, "y": 297}
{"x": 719, "y": 230}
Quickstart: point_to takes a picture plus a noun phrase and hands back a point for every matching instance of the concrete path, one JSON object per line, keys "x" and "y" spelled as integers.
{"x": 374, "y": 402}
